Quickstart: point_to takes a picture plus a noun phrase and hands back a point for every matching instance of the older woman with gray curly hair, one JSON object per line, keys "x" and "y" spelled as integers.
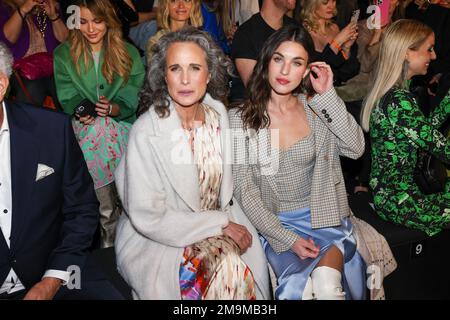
{"x": 181, "y": 235}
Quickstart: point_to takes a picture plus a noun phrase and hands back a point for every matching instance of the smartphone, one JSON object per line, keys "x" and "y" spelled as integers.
{"x": 384, "y": 11}
{"x": 85, "y": 108}
{"x": 355, "y": 16}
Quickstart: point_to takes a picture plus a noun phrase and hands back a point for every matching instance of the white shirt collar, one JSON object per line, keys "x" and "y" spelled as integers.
{"x": 5, "y": 125}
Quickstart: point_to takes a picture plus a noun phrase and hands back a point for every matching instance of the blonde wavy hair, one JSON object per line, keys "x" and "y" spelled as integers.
{"x": 392, "y": 67}
{"x": 308, "y": 15}
{"x": 117, "y": 60}
{"x": 163, "y": 19}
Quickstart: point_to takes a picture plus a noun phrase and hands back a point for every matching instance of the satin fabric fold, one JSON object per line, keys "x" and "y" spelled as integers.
{"x": 292, "y": 272}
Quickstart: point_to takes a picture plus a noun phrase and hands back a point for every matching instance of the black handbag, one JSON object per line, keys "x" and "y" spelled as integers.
{"x": 430, "y": 173}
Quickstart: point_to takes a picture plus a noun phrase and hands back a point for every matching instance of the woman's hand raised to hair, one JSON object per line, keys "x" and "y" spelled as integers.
{"x": 324, "y": 77}
{"x": 305, "y": 249}
{"x": 239, "y": 234}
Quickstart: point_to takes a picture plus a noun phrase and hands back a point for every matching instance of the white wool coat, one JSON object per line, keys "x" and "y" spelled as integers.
{"x": 158, "y": 184}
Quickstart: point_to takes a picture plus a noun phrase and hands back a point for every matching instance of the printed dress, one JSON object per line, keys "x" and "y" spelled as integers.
{"x": 212, "y": 269}
{"x": 103, "y": 143}
{"x": 397, "y": 130}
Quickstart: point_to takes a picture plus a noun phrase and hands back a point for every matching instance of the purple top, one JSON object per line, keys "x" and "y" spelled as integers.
{"x": 23, "y": 42}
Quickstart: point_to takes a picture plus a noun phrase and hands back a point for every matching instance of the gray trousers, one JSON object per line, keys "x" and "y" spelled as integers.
{"x": 110, "y": 209}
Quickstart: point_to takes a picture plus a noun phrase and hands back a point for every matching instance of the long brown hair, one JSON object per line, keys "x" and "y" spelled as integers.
{"x": 117, "y": 60}
{"x": 254, "y": 110}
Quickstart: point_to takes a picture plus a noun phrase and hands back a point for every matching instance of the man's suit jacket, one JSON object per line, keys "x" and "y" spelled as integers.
{"x": 53, "y": 219}
{"x": 336, "y": 134}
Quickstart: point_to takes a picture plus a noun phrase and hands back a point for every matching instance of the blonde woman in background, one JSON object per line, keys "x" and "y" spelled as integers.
{"x": 332, "y": 45}
{"x": 172, "y": 16}
{"x": 399, "y": 130}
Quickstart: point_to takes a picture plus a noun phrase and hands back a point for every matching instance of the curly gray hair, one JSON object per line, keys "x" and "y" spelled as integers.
{"x": 6, "y": 60}
{"x": 155, "y": 93}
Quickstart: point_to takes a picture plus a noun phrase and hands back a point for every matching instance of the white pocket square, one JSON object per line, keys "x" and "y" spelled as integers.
{"x": 43, "y": 171}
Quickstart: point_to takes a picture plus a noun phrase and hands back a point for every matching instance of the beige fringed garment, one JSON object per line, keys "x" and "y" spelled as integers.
{"x": 376, "y": 253}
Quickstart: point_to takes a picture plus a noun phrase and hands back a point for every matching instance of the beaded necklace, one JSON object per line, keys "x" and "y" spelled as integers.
{"x": 41, "y": 17}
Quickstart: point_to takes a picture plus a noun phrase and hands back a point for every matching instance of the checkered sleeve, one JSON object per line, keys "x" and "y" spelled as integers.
{"x": 331, "y": 110}
{"x": 249, "y": 195}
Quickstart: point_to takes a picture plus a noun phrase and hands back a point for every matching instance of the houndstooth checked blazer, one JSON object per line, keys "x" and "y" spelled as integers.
{"x": 336, "y": 133}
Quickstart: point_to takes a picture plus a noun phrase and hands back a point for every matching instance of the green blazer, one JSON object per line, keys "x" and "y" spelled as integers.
{"x": 72, "y": 87}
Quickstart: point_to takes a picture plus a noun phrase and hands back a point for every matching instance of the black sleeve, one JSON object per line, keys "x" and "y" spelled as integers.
{"x": 242, "y": 46}
{"x": 342, "y": 69}
{"x": 334, "y": 60}
{"x": 350, "y": 67}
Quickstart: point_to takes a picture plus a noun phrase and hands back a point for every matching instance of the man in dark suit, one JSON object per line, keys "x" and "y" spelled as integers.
{"x": 48, "y": 207}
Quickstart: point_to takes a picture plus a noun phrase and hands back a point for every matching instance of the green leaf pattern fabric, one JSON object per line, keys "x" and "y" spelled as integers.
{"x": 397, "y": 130}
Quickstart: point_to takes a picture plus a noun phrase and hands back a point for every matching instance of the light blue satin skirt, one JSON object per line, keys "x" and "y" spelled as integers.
{"x": 293, "y": 272}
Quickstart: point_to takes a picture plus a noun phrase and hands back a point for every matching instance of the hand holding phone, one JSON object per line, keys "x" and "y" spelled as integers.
{"x": 355, "y": 16}
{"x": 85, "y": 108}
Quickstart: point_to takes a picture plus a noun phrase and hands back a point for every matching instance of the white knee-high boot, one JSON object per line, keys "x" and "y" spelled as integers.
{"x": 326, "y": 283}
{"x": 308, "y": 291}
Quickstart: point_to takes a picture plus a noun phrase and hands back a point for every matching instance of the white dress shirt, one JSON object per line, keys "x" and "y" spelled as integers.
{"x": 12, "y": 282}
